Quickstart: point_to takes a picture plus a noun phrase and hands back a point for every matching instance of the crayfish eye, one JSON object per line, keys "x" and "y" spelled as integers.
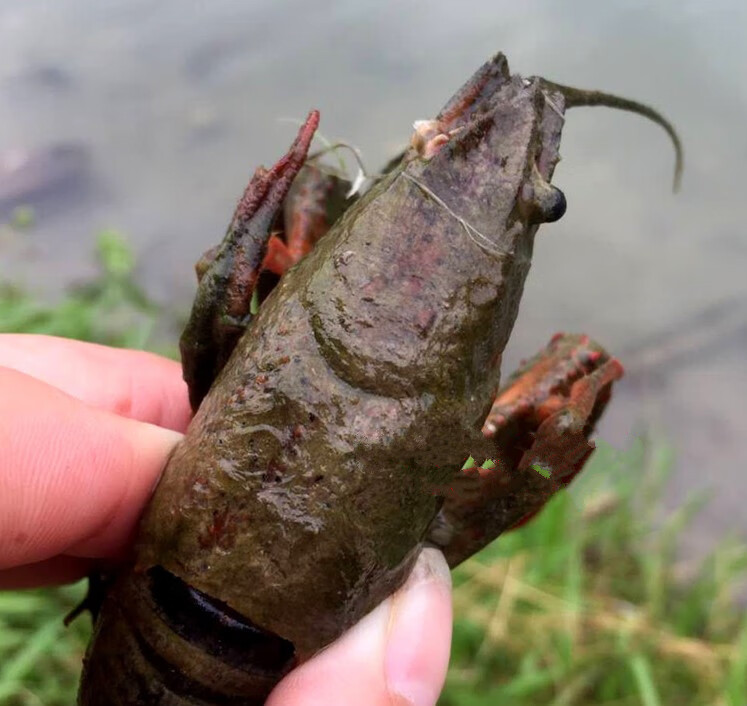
{"x": 540, "y": 201}
{"x": 554, "y": 205}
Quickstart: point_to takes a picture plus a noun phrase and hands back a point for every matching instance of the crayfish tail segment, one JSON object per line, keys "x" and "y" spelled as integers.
{"x": 577, "y": 97}
{"x": 228, "y": 275}
{"x": 160, "y": 642}
{"x": 540, "y": 424}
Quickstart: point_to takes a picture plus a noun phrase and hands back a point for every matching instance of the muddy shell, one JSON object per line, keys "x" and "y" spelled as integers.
{"x": 298, "y": 499}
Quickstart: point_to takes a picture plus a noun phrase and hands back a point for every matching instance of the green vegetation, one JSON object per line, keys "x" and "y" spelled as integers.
{"x": 112, "y": 309}
{"x": 22, "y": 217}
{"x": 585, "y": 605}
{"x": 588, "y": 604}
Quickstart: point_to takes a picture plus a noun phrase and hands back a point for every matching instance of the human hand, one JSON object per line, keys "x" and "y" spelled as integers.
{"x": 85, "y": 431}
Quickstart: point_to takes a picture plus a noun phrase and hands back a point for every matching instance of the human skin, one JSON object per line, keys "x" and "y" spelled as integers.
{"x": 85, "y": 431}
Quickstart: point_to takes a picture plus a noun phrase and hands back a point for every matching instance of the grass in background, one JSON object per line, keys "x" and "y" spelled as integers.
{"x": 589, "y": 605}
{"x": 112, "y": 309}
{"x": 585, "y": 605}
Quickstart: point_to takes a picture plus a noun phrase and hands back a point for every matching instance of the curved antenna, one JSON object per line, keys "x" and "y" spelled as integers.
{"x": 575, "y": 97}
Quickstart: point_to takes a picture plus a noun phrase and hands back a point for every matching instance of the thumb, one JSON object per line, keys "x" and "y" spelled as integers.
{"x": 73, "y": 479}
{"x": 396, "y": 655}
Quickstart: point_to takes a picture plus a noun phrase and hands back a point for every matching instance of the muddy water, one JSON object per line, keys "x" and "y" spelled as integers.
{"x": 172, "y": 106}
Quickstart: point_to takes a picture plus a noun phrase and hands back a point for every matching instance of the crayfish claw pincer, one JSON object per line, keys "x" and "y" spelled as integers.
{"x": 228, "y": 275}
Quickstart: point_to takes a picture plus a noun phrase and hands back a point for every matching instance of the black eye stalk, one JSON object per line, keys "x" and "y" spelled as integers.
{"x": 540, "y": 201}
{"x": 556, "y": 207}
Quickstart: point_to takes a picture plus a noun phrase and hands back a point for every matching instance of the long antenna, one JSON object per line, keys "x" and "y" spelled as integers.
{"x": 576, "y": 97}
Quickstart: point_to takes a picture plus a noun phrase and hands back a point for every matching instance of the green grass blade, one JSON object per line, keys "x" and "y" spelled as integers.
{"x": 18, "y": 666}
{"x": 642, "y": 674}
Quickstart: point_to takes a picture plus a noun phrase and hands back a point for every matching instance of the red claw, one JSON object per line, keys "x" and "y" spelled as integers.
{"x": 277, "y": 258}
{"x": 277, "y": 180}
{"x": 541, "y": 420}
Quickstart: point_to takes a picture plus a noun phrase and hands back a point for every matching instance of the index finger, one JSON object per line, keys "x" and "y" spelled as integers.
{"x": 73, "y": 479}
{"x": 132, "y": 384}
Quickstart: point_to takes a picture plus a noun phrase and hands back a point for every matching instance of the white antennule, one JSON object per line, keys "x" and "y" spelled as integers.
{"x": 361, "y": 176}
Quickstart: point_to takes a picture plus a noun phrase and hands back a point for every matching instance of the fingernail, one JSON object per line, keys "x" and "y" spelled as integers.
{"x": 417, "y": 653}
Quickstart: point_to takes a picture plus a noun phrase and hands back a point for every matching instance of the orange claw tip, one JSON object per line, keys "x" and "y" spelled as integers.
{"x": 611, "y": 371}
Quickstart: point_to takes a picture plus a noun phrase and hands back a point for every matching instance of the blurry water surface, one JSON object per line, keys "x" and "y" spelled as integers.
{"x": 167, "y": 108}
